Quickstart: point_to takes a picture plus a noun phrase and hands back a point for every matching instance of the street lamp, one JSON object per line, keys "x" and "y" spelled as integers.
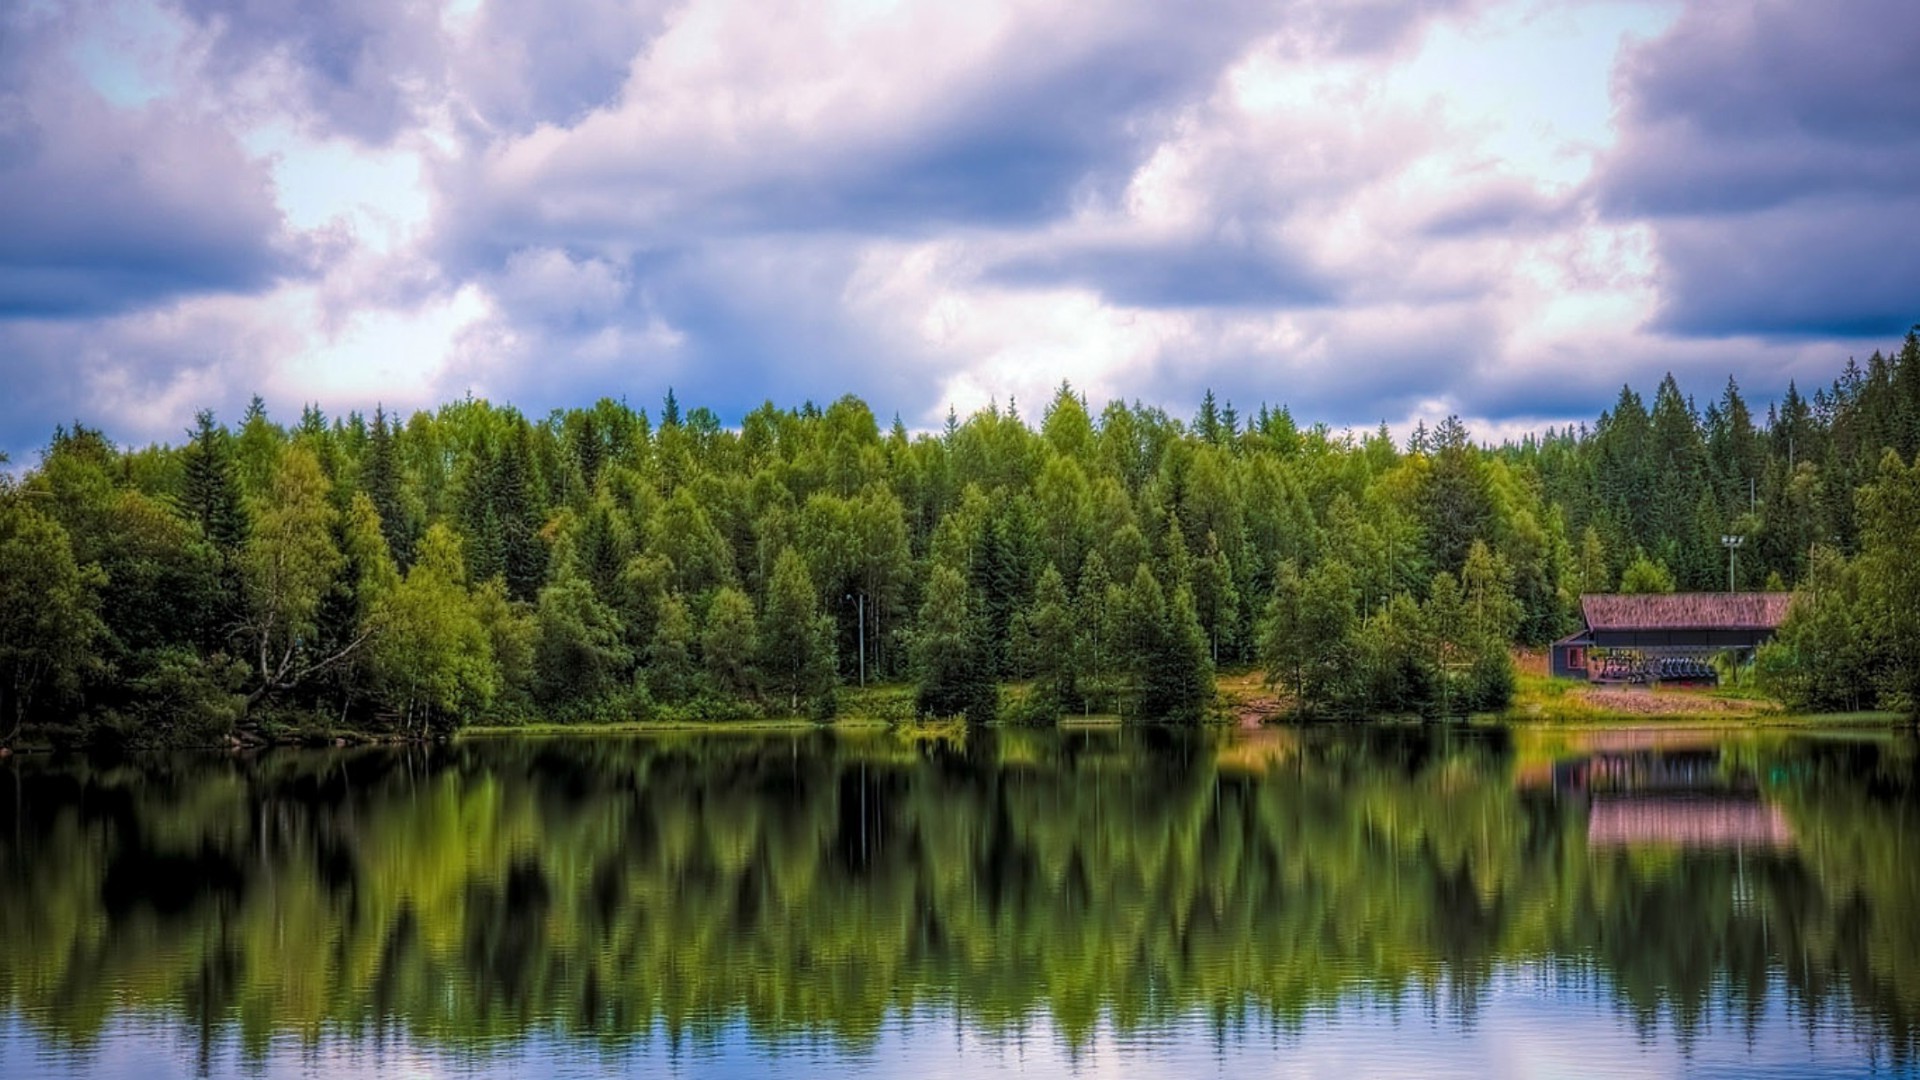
{"x": 861, "y": 598}
{"x": 1732, "y": 544}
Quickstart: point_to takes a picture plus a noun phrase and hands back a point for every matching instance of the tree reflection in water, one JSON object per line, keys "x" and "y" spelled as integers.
{"x": 612, "y": 890}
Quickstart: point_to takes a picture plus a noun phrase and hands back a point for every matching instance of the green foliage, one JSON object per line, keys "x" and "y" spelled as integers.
{"x": 1307, "y": 638}
{"x": 1852, "y": 636}
{"x": 1889, "y": 510}
{"x": 616, "y": 568}
{"x": 1822, "y": 657}
{"x": 951, "y": 654}
{"x": 432, "y": 651}
{"x": 49, "y": 614}
{"x": 796, "y": 640}
{"x": 1644, "y": 575}
{"x": 1176, "y": 674}
{"x": 729, "y": 643}
{"x": 1056, "y": 668}
{"x": 289, "y": 564}
{"x": 670, "y": 661}
{"x": 579, "y": 651}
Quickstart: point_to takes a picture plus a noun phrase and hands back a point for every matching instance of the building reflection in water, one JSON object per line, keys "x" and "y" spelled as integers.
{"x": 1671, "y": 789}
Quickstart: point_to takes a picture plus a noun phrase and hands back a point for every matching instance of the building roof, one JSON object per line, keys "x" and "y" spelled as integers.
{"x": 1686, "y": 611}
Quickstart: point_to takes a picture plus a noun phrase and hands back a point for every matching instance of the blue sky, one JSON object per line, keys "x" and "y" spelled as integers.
{"x": 1368, "y": 210}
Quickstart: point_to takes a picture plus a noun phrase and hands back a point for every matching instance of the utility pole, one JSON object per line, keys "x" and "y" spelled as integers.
{"x": 860, "y": 632}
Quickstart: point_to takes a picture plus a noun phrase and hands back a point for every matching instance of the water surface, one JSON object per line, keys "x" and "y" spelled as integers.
{"x": 1386, "y": 901}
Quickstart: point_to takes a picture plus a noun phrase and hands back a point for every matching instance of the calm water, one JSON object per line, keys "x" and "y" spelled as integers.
{"x": 1282, "y": 903}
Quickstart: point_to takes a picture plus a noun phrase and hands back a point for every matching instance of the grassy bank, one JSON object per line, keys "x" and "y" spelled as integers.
{"x": 1541, "y": 698}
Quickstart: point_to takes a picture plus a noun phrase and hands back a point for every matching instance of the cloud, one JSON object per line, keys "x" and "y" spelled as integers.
{"x": 515, "y": 66}
{"x": 1230, "y": 274}
{"x": 1772, "y": 147}
{"x": 754, "y": 116}
{"x": 364, "y": 68}
{"x": 1364, "y": 209}
{"x": 108, "y": 208}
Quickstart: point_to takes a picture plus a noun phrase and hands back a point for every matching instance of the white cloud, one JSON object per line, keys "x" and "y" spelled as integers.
{"x": 1367, "y": 212}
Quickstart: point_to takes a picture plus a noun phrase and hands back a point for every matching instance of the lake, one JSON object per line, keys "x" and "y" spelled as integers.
{"x": 1353, "y": 902}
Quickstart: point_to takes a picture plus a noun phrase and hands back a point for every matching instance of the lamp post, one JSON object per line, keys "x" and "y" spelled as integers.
{"x": 1732, "y": 544}
{"x": 861, "y": 608}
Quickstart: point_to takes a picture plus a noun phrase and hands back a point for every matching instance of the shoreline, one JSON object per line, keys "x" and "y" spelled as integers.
{"x": 1535, "y": 707}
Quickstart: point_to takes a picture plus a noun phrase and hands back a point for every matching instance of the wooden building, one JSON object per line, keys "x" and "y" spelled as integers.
{"x": 1637, "y": 633}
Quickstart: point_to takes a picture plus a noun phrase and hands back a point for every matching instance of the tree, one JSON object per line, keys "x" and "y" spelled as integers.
{"x": 580, "y": 652}
{"x": 210, "y": 494}
{"x": 1093, "y": 612}
{"x": 796, "y": 640}
{"x": 257, "y": 449}
{"x": 1050, "y": 621}
{"x": 1216, "y": 599}
{"x": 670, "y": 668}
{"x": 1890, "y": 522}
{"x": 955, "y": 678}
{"x": 1822, "y": 658}
{"x": 381, "y": 479}
{"x": 1591, "y": 574}
{"x": 289, "y": 564}
{"x": 49, "y": 613}
{"x": 1457, "y": 507}
{"x": 511, "y": 636}
{"x": 1307, "y": 640}
{"x": 1401, "y": 675}
{"x": 367, "y": 578}
{"x": 1486, "y": 584}
{"x": 1492, "y": 616}
{"x": 1644, "y": 575}
{"x": 1177, "y": 682}
{"x": 432, "y": 651}
{"x": 728, "y": 643}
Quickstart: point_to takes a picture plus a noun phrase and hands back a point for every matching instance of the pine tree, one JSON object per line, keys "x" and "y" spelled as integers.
{"x": 516, "y": 512}
{"x": 380, "y": 478}
{"x": 1178, "y": 683}
{"x": 210, "y": 495}
{"x": 1458, "y": 505}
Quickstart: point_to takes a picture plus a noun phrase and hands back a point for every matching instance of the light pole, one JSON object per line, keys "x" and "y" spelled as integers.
{"x": 861, "y": 609}
{"x": 1732, "y": 544}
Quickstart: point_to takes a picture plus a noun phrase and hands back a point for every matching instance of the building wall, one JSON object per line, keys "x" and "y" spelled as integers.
{"x": 1654, "y": 639}
{"x": 1568, "y": 661}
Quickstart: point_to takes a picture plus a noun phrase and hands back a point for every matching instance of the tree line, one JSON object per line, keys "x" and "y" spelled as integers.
{"x": 472, "y": 562}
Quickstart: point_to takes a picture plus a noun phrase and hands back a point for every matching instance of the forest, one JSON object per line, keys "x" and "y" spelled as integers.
{"x": 404, "y": 577}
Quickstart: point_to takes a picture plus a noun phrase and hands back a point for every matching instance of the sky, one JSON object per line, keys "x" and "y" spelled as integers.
{"x": 1367, "y": 210}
